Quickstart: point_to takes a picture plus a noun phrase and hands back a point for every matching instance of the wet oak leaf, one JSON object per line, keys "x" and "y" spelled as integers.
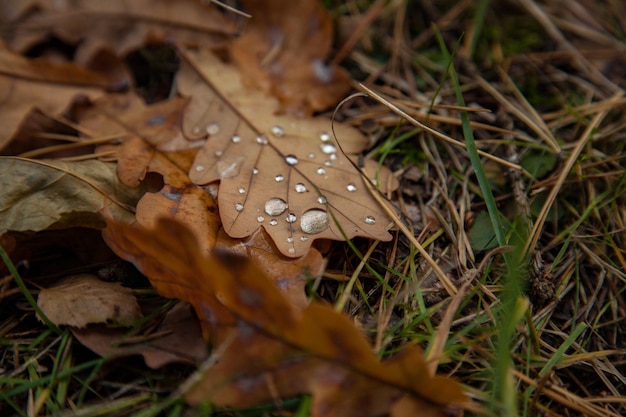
{"x": 42, "y": 194}
{"x": 82, "y": 299}
{"x": 147, "y": 131}
{"x": 281, "y": 173}
{"x": 283, "y": 49}
{"x": 268, "y": 347}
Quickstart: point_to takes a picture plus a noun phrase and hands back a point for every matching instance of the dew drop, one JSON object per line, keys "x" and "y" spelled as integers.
{"x": 277, "y": 131}
{"x": 370, "y": 220}
{"x": 199, "y": 168}
{"x": 255, "y": 171}
{"x": 236, "y": 139}
{"x": 275, "y": 206}
{"x": 304, "y": 238}
{"x": 328, "y": 163}
{"x": 279, "y": 178}
{"x": 314, "y": 221}
{"x": 213, "y": 129}
{"x": 239, "y": 207}
{"x": 260, "y": 219}
{"x": 328, "y": 148}
{"x": 291, "y": 217}
{"x": 273, "y": 222}
{"x": 325, "y": 137}
{"x": 333, "y": 156}
{"x": 300, "y": 188}
{"x": 218, "y": 153}
{"x": 321, "y": 171}
{"x": 261, "y": 140}
{"x": 322, "y": 199}
{"x": 291, "y": 250}
{"x": 311, "y": 155}
{"x": 241, "y": 190}
{"x": 291, "y": 159}
{"x": 351, "y": 187}
{"x": 289, "y": 239}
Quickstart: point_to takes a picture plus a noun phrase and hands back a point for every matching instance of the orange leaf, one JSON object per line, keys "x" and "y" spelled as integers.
{"x": 270, "y": 347}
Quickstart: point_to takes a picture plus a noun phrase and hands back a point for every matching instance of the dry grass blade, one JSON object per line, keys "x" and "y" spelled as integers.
{"x": 434, "y": 132}
{"x": 585, "y": 137}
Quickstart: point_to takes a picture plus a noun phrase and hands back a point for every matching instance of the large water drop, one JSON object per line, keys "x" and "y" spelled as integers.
{"x": 314, "y": 221}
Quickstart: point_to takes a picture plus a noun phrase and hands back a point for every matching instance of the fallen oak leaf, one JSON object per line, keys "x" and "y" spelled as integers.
{"x": 284, "y": 174}
{"x": 147, "y": 131}
{"x": 82, "y": 299}
{"x": 236, "y": 301}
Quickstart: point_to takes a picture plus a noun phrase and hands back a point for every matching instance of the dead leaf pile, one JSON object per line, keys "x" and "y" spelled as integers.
{"x": 226, "y": 189}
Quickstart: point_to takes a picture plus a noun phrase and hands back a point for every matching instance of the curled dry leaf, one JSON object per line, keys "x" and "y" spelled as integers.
{"x": 175, "y": 339}
{"x": 36, "y": 195}
{"x": 281, "y": 173}
{"x": 82, "y": 299}
{"x": 268, "y": 347}
{"x": 283, "y": 50}
{"x": 30, "y": 85}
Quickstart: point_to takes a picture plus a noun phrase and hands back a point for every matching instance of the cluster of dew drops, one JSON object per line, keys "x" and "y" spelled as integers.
{"x": 312, "y": 221}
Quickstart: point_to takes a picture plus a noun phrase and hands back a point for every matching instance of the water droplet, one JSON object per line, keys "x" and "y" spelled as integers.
{"x": 239, "y": 207}
{"x": 213, "y": 129}
{"x": 261, "y": 140}
{"x": 300, "y": 188}
{"x": 291, "y": 217}
{"x": 314, "y": 221}
{"x": 322, "y": 199}
{"x": 328, "y": 148}
{"x": 351, "y": 187}
{"x": 291, "y": 159}
{"x": 289, "y": 239}
{"x": 321, "y": 171}
{"x": 311, "y": 155}
{"x": 236, "y": 139}
{"x": 291, "y": 250}
{"x": 255, "y": 171}
{"x": 273, "y": 222}
{"x": 333, "y": 156}
{"x": 275, "y": 206}
{"x": 260, "y": 219}
{"x": 325, "y": 137}
{"x": 370, "y": 220}
{"x": 328, "y": 163}
{"x": 241, "y": 190}
{"x": 199, "y": 168}
{"x": 218, "y": 153}
{"x": 279, "y": 178}
{"x": 304, "y": 238}
{"x": 277, "y": 131}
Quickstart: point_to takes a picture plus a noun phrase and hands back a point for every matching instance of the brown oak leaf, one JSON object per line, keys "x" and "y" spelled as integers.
{"x": 267, "y": 347}
{"x": 289, "y": 176}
